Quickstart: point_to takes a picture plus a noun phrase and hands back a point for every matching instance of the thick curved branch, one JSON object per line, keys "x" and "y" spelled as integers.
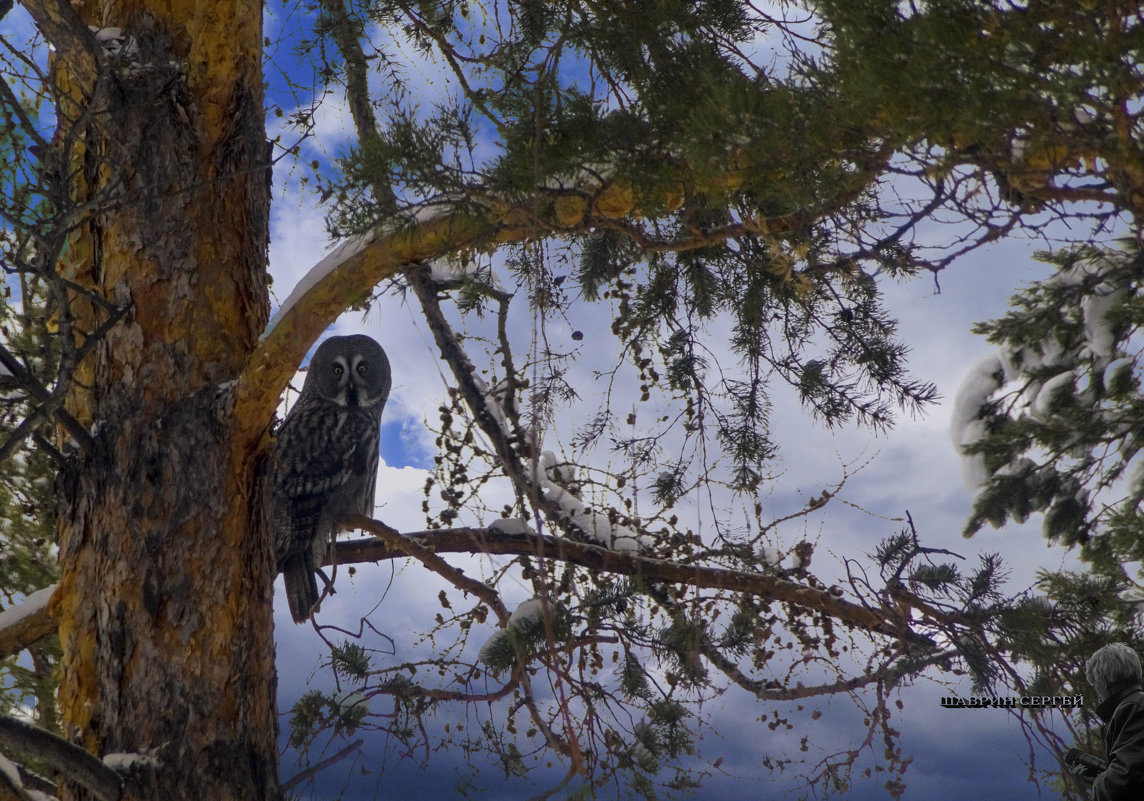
{"x": 390, "y": 544}
{"x": 29, "y": 621}
{"x": 68, "y": 35}
{"x": 350, "y": 272}
{"x": 61, "y": 756}
{"x": 346, "y": 276}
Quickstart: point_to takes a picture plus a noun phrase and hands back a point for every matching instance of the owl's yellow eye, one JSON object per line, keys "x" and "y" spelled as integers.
{"x": 338, "y": 369}
{"x": 361, "y": 368}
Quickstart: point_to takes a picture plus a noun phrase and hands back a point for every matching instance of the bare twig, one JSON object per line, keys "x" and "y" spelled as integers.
{"x": 50, "y": 404}
{"x": 314, "y": 770}
{"x": 407, "y": 546}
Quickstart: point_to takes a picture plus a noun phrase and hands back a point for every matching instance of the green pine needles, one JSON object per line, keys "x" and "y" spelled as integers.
{"x": 1050, "y": 423}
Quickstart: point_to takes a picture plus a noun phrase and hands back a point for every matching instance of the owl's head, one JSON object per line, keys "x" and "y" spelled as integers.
{"x": 349, "y": 371}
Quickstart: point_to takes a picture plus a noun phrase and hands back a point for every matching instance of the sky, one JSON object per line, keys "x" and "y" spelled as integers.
{"x": 913, "y": 467}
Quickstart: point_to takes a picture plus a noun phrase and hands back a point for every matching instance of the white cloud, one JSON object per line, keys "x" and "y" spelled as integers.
{"x": 914, "y": 467}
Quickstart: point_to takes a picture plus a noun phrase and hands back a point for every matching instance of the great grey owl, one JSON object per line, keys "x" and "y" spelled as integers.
{"x": 325, "y": 459}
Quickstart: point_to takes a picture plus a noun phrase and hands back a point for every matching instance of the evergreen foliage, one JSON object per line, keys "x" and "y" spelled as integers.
{"x": 1056, "y": 416}
{"x": 1060, "y": 425}
{"x": 29, "y": 360}
{"x": 720, "y": 178}
{"x": 712, "y": 166}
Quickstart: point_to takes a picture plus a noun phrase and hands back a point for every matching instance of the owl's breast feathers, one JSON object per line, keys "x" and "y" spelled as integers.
{"x": 319, "y": 452}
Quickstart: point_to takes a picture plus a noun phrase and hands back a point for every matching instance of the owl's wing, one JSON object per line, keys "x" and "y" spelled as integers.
{"x": 366, "y": 460}
{"x": 318, "y": 450}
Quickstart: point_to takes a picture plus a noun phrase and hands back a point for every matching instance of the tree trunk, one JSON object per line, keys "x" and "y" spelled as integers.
{"x": 166, "y": 573}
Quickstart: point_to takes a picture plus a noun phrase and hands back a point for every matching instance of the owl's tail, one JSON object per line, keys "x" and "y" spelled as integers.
{"x": 301, "y": 584}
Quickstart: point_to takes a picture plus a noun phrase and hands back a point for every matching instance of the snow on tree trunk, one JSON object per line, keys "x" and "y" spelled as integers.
{"x": 165, "y": 592}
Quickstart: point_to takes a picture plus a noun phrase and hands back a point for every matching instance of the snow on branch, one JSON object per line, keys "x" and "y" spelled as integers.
{"x": 25, "y": 623}
{"x": 12, "y": 782}
{"x": 597, "y": 526}
{"x": 62, "y": 757}
{"x": 346, "y": 276}
{"x": 967, "y": 424}
{"x": 1134, "y": 474}
{"x": 1096, "y": 309}
{"x": 525, "y": 617}
{"x": 1063, "y": 348}
{"x": 345, "y": 251}
{"x": 346, "y": 256}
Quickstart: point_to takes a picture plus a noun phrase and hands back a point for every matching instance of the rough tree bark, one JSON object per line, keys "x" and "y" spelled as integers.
{"x": 165, "y": 591}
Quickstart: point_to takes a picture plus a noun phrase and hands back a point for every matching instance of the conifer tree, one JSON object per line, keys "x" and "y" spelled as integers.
{"x": 699, "y": 167}
{"x": 1048, "y": 424}
{"x": 28, "y": 359}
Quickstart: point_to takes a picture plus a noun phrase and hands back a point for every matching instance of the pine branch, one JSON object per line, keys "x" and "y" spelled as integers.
{"x": 767, "y": 691}
{"x": 390, "y": 544}
{"x": 346, "y": 32}
{"x": 476, "y": 227}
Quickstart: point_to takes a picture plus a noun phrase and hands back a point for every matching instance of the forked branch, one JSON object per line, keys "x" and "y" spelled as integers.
{"x": 389, "y": 544}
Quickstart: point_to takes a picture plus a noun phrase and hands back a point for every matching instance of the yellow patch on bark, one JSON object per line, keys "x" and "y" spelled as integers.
{"x": 674, "y": 197}
{"x": 78, "y": 698}
{"x": 616, "y": 200}
{"x": 570, "y": 210}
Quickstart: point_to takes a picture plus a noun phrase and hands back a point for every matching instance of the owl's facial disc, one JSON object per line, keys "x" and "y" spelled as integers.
{"x": 355, "y": 383}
